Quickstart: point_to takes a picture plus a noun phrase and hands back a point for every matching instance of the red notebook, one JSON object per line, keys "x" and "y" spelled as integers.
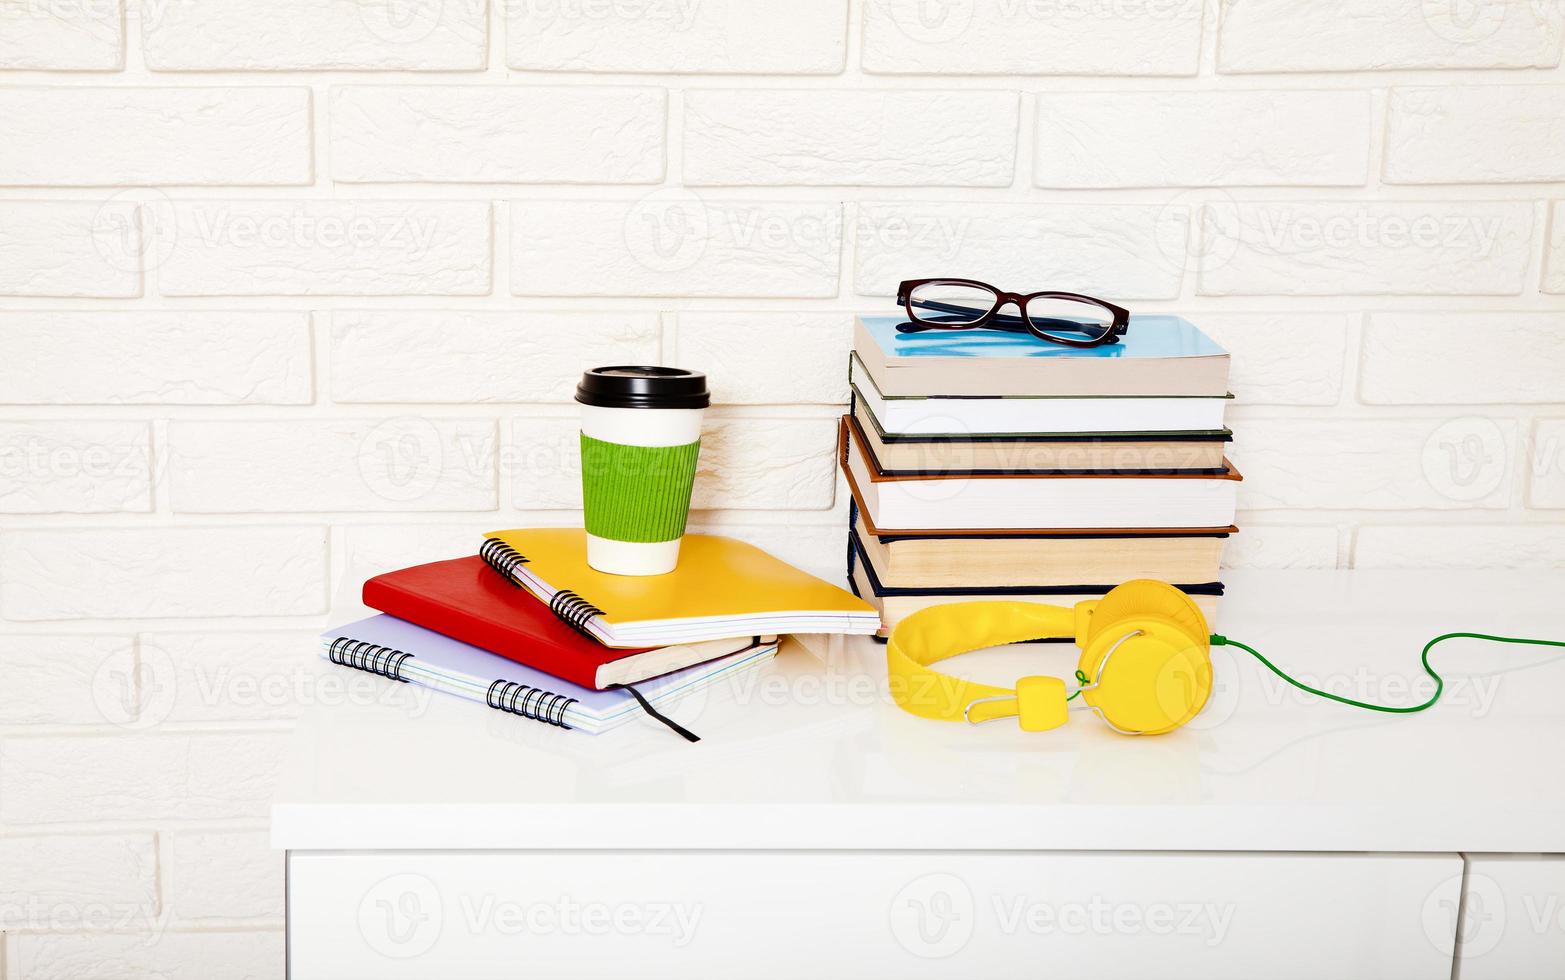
{"x": 464, "y": 599}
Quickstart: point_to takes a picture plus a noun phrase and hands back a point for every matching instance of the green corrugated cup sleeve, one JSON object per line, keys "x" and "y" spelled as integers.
{"x": 637, "y": 493}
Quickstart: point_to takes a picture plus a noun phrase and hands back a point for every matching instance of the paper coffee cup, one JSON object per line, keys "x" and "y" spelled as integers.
{"x": 640, "y": 437}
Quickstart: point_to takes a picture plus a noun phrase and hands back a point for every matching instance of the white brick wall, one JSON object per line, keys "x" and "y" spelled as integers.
{"x": 1385, "y": 35}
{"x": 117, "y": 136}
{"x": 403, "y": 134}
{"x": 1202, "y": 139}
{"x": 80, "y": 248}
{"x": 247, "y": 35}
{"x": 294, "y": 291}
{"x": 896, "y": 138}
{"x": 84, "y": 37}
{"x": 1475, "y": 135}
{"x": 155, "y": 357}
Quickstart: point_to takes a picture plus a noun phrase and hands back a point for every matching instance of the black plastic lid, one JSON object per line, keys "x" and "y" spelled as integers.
{"x": 640, "y": 386}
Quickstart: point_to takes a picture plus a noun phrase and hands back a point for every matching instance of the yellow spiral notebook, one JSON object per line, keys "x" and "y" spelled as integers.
{"x": 722, "y": 588}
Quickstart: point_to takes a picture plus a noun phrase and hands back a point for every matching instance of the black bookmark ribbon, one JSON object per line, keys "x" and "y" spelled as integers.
{"x": 646, "y": 706}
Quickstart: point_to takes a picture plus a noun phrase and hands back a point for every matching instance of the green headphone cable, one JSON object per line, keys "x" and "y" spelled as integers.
{"x": 1219, "y": 640}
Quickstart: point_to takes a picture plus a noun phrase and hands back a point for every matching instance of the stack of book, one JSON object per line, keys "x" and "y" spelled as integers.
{"x": 527, "y": 627}
{"x": 989, "y": 464}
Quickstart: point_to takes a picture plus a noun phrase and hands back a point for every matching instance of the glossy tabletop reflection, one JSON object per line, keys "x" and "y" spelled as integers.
{"x": 810, "y": 753}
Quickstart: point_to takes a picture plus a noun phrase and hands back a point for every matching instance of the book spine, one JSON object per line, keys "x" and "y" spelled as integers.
{"x": 532, "y": 703}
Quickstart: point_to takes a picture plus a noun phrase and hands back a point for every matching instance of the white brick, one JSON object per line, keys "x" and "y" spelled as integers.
{"x": 66, "y": 680}
{"x": 370, "y": 549}
{"x": 155, "y": 358}
{"x": 1454, "y": 358}
{"x": 1487, "y": 546}
{"x": 1119, "y": 252}
{"x": 37, "y": 34}
{"x": 756, "y": 464}
{"x": 1477, "y": 134}
{"x": 1282, "y": 358}
{"x": 1281, "y": 546}
{"x": 768, "y": 358}
{"x": 390, "y": 356}
{"x": 49, "y": 467}
{"x": 820, "y": 549}
{"x": 115, "y": 136}
{"x": 220, "y": 875}
{"x": 198, "y": 677}
{"x": 1446, "y": 248}
{"x": 1461, "y": 463}
{"x": 140, "y": 573}
{"x": 745, "y": 464}
{"x": 309, "y": 248}
{"x": 757, "y": 137}
{"x": 716, "y": 36}
{"x": 405, "y": 463}
{"x": 185, "y": 35}
{"x": 493, "y": 134}
{"x": 674, "y": 243}
{"x": 1202, "y": 139}
{"x": 83, "y": 779}
{"x": 86, "y": 881}
{"x": 544, "y": 463}
{"x": 1546, "y": 470}
{"x": 1374, "y": 35}
{"x": 1031, "y": 37}
{"x": 1554, "y": 253}
{"x": 70, "y": 248}
{"x": 153, "y": 956}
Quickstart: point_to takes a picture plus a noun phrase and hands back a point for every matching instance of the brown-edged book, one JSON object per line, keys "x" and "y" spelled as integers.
{"x": 897, "y": 602}
{"x": 1198, "y": 452}
{"x": 947, "y": 500}
{"x": 1006, "y": 558}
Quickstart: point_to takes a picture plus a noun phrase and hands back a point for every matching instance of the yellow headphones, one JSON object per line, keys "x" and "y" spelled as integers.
{"x": 1145, "y": 666}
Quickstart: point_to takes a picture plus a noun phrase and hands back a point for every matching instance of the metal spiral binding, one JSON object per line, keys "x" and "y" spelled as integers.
{"x": 502, "y": 558}
{"x": 532, "y": 703}
{"x": 367, "y": 656}
{"x": 574, "y": 610}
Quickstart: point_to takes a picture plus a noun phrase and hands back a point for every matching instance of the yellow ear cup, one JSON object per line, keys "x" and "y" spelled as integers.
{"x": 1141, "y": 598}
{"x": 1145, "y": 657}
{"x": 1149, "y": 679}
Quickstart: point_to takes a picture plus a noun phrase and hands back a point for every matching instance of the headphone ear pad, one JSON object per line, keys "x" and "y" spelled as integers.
{"x": 1151, "y": 681}
{"x": 1147, "y": 598}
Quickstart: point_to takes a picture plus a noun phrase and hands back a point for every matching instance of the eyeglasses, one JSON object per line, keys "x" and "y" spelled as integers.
{"x": 965, "y": 304}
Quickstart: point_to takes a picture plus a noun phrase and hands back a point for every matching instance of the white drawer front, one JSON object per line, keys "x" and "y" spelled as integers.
{"x": 820, "y": 915}
{"x": 1513, "y": 918}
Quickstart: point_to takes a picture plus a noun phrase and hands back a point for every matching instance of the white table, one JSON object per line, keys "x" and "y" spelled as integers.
{"x": 819, "y": 831}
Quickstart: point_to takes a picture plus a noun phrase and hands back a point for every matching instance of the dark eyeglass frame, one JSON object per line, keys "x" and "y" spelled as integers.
{"x": 993, "y": 319}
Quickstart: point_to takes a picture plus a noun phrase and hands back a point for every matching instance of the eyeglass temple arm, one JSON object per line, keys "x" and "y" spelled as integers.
{"x": 930, "y": 304}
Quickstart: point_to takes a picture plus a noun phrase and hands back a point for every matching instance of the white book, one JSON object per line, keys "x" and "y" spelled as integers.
{"x": 956, "y": 500}
{"x": 1031, "y": 414}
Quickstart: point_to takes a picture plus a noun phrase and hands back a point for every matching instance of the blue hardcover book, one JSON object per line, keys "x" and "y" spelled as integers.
{"x": 1160, "y": 355}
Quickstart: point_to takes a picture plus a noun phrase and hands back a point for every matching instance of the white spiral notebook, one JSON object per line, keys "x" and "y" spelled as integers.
{"x": 397, "y": 649}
